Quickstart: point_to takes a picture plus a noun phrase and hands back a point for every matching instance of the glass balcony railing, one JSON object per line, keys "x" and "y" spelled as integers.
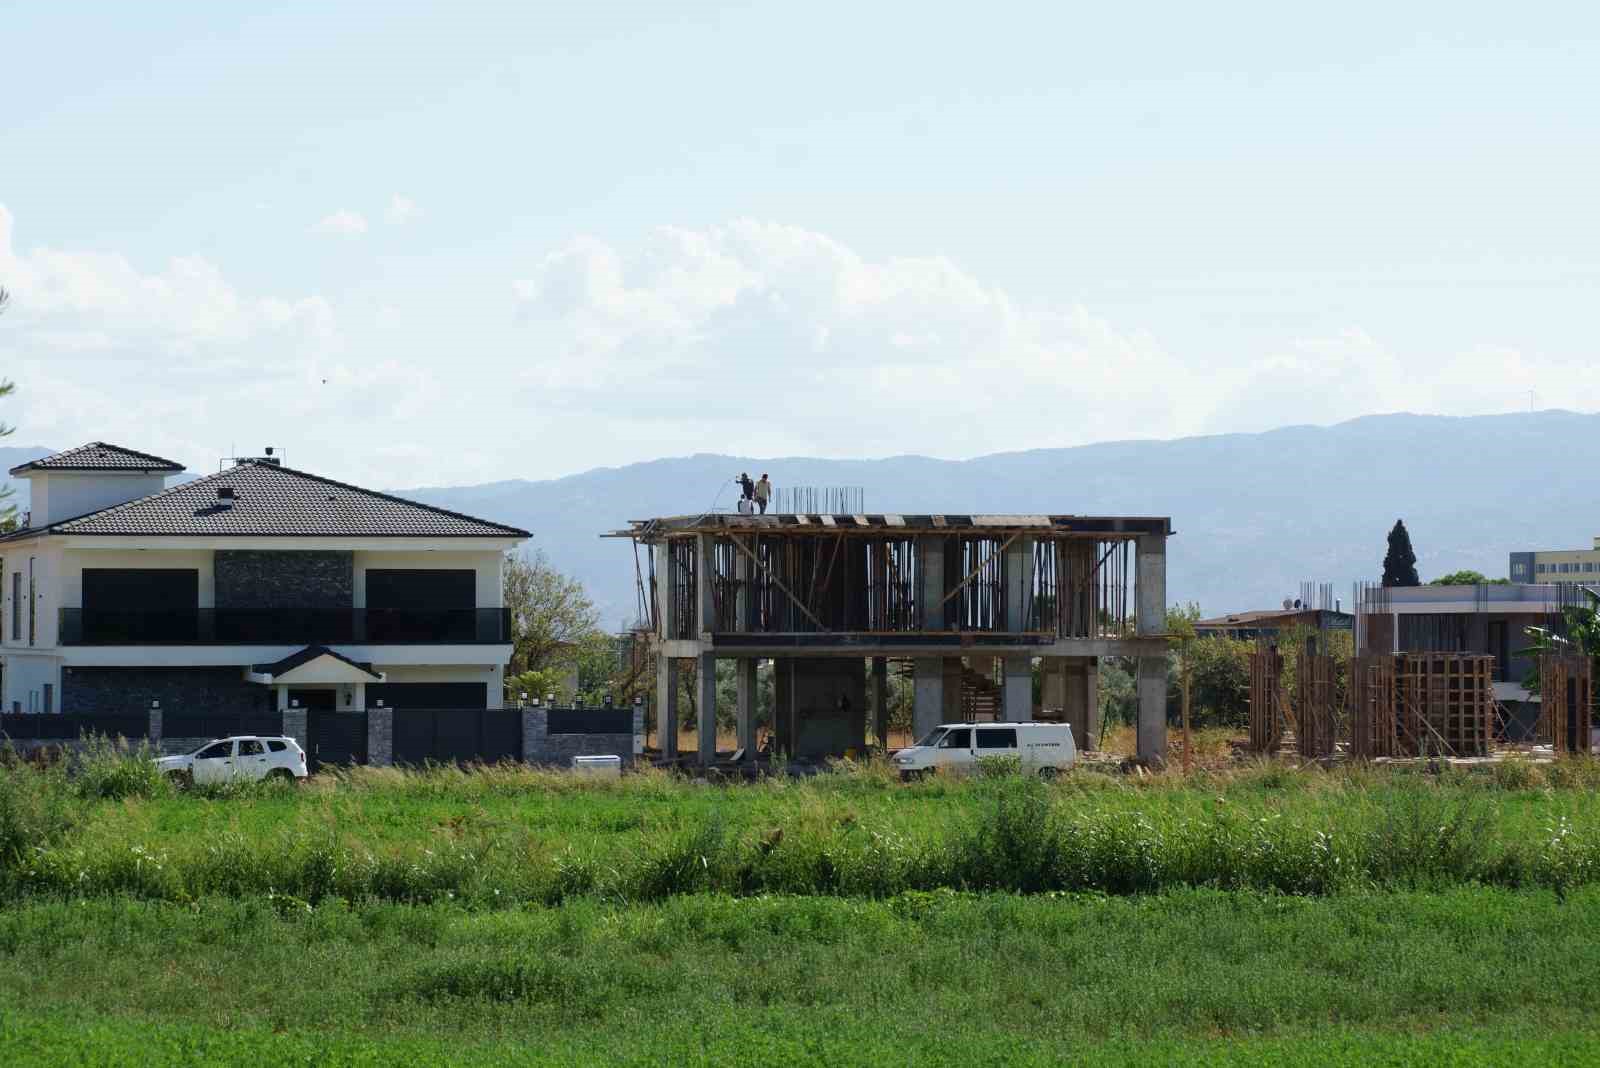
{"x": 281, "y": 626}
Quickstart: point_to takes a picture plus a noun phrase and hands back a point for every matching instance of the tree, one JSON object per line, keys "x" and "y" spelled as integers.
{"x": 1400, "y": 563}
{"x": 1582, "y": 625}
{"x": 553, "y": 622}
{"x": 1468, "y": 578}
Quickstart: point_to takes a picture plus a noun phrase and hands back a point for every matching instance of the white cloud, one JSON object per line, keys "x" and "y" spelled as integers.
{"x": 401, "y": 209}
{"x": 344, "y": 222}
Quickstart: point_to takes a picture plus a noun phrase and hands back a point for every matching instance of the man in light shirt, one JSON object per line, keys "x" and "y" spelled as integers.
{"x": 763, "y": 493}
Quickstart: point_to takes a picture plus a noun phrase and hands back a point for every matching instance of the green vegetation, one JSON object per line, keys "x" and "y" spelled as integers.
{"x": 1468, "y": 578}
{"x": 1263, "y": 915}
{"x": 935, "y": 978}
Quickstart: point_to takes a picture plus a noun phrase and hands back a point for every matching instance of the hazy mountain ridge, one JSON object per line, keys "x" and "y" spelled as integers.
{"x": 1255, "y": 514}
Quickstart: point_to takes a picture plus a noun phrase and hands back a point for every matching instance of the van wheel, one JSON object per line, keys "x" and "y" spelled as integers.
{"x": 1048, "y": 774}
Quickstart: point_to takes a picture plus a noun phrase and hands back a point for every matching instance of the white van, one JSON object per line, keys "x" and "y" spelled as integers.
{"x": 1043, "y": 748}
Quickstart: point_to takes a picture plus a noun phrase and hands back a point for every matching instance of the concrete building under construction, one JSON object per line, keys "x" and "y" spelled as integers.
{"x": 962, "y": 603}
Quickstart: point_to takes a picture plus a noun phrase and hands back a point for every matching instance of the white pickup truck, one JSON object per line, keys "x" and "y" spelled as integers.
{"x": 240, "y": 758}
{"x": 1045, "y": 749}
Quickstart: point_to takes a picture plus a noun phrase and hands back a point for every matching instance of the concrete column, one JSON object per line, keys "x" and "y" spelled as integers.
{"x": 663, "y": 592}
{"x": 1152, "y": 728}
{"x": 1019, "y": 579}
{"x": 927, "y": 695}
{"x": 783, "y": 704}
{"x": 1150, "y": 584}
{"x": 705, "y": 601}
{"x": 380, "y": 736}
{"x": 1066, "y": 676}
{"x": 931, "y": 548}
{"x": 1019, "y": 689}
{"x": 880, "y": 699}
{"x": 667, "y": 706}
{"x": 747, "y": 706}
{"x": 744, "y": 570}
{"x": 1091, "y": 702}
{"x": 950, "y": 669}
{"x": 705, "y": 678}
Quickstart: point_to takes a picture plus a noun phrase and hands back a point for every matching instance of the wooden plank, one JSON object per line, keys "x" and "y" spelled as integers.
{"x": 827, "y": 520}
{"x": 894, "y": 520}
{"x": 739, "y": 544}
{"x": 979, "y": 569}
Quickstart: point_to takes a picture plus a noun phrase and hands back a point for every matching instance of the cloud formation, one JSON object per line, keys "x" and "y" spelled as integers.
{"x": 401, "y": 210}
{"x": 344, "y": 223}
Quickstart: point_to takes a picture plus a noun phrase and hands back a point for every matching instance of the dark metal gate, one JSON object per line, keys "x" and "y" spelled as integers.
{"x": 336, "y": 738}
{"x": 457, "y": 735}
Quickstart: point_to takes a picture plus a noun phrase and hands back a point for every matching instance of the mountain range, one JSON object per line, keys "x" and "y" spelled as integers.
{"x": 1254, "y": 514}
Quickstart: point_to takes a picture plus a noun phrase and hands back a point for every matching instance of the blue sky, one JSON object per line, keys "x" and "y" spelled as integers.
{"x": 450, "y": 243}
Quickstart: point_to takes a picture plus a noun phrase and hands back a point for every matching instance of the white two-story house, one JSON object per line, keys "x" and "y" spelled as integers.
{"x": 244, "y": 590}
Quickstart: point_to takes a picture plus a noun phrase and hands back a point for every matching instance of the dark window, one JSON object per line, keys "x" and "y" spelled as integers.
{"x": 997, "y": 738}
{"x": 957, "y": 739}
{"x": 414, "y": 604}
{"x": 49, "y": 697}
{"x": 1500, "y": 649}
{"x": 276, "y": 747}
{"x": 250, "y": 747}
{"x": 16, "y": 606}
{"x": 33, "y": 608}
{"x": 218, "y": 751}
{"x": 143, "y": 604}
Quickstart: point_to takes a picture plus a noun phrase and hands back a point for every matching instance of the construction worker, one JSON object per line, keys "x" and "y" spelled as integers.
{"x": 747, "y": 489}
{"x": 763, "y": 493}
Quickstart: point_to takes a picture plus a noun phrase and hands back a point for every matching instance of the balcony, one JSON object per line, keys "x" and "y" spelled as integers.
{"x": 226, "y": 626}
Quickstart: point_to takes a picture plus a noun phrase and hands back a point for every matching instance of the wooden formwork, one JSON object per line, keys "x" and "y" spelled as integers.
{"x": 1266, "y": 698}
{"x": 1444, "y": 703}
{"x": 1316, "y": 714}
{"x": 1566, "y": 703}
{"x": 1372, "y": 698}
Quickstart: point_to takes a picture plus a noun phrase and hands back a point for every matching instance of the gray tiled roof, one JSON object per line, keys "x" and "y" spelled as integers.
{"x": 98, "y": 456}
{"x": 273, "y": 501}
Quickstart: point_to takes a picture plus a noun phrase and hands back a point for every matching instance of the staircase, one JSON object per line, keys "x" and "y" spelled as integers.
{"x": 980, "y": 697}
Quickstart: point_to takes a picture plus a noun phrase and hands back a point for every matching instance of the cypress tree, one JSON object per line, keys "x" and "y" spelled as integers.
{"x": 1400, "y": 563}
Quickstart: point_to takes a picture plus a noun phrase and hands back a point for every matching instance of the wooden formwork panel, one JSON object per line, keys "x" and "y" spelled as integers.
{"x": 1444, "y": 703}
{"x": 1266, "y": 699}
{"x": 1566, "y": 688}
{"x": 1316, "y": 718}
{"x": 1372, "y": 706}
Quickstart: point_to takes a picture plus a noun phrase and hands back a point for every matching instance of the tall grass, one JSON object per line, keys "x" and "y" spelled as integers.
{"x": 506, "y": 835}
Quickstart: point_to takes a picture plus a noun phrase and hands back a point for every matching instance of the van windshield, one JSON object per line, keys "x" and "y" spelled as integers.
{"x": 932, "y": 737}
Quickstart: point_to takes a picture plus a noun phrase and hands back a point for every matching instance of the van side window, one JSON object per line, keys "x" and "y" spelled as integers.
{"x": 958, "y": 739}
{"x": 997, "y": 738}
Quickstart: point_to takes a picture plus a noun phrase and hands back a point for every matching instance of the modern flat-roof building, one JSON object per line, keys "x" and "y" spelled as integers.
{"x": 947, "y": 595}
{"x": 1272, "y": 622}
{"x": 1556, "y": 565}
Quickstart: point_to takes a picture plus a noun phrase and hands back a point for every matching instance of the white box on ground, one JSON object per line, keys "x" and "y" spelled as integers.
{"x": 608, "y": 767}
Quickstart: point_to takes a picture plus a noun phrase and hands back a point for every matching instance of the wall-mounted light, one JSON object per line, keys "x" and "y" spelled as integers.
{"x": 155, "y": 706}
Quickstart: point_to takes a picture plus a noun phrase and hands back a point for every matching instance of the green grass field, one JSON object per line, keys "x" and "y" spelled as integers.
{"x": 1263, "y": 916}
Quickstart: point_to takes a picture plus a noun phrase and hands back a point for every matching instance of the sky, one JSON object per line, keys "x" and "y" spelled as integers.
{"x": 419, "y": 244}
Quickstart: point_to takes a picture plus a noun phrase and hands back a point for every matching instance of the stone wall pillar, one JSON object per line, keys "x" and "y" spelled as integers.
{"x": 294, "y": 726}
{"x": 535, "y": 724}
{"x": 380, "y": 736}
{"x": 155, "y": 726}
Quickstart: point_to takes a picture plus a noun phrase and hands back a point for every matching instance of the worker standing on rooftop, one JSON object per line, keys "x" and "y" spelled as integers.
{"x": 763, "y": 493}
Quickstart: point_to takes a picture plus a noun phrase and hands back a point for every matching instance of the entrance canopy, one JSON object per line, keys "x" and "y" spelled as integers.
{"x": 315, "y": 664}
